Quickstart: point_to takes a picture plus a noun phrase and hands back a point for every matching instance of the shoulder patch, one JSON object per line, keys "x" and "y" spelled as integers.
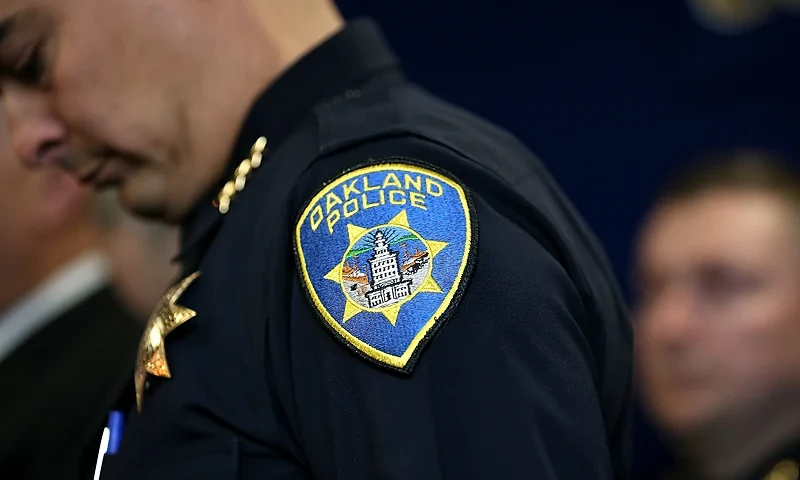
{"x": 384, "y": 252}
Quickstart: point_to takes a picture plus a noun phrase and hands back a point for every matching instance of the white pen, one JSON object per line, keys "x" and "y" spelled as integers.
{"x": 102, "y": 453}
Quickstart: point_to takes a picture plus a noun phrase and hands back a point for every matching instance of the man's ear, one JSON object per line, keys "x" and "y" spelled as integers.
{"x": 63, "y": 200}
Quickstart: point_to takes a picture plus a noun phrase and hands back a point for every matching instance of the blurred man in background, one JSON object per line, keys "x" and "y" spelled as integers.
{"x": 66, "y": 342}
{"x": 719, "y": 318}
{"x": 736, "y": 16}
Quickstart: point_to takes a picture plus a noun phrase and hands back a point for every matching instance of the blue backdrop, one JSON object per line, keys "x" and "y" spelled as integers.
{"x": 611, "y": 95}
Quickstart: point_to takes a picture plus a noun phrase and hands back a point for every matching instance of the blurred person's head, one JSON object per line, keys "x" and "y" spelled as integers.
{"x": 147, "y": 95}
{"x": 46, "y": 220}
{"x": 141, "y": 254}
{"x": 738, "y": 16}
{"x": 718, "y": 312}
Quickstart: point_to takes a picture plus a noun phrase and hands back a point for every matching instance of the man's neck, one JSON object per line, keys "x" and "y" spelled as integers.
{"x": 295, "y": 28}
{"x": 256, "y": 41}
{"x": 733, "y": 451}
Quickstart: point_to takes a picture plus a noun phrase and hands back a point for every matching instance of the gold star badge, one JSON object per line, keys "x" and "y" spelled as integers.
{"x": 166, "y": 317}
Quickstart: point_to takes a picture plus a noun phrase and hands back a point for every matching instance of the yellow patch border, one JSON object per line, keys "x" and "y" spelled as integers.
{"x": 391, "y": 360}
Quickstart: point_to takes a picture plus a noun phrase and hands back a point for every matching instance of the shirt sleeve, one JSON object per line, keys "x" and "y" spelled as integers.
{"x": 505, "y": 389}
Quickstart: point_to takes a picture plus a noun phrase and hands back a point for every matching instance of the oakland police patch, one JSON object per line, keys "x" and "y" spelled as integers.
{"x": 384, "y": 252}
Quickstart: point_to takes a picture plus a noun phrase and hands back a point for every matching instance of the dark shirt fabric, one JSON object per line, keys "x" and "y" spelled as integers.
{"x": 58, "y": 388}
{"x": 528, "y": 378}
{"x": 781, "y": 464}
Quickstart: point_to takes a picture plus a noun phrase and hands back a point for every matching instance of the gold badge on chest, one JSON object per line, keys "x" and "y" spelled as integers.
{"x": 167, "y": 316}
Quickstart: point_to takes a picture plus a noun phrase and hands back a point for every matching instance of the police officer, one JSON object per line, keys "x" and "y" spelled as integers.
{"x": 376, "y": 284}
{"x": 717, "y": 318}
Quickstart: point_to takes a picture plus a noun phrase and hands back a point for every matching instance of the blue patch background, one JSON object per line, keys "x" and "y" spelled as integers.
{"x": 444, "y": 220}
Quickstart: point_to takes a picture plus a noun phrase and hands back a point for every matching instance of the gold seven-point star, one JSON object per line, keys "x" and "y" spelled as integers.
{"x": 351, "y": 309}
{"x": 166, "y": 317}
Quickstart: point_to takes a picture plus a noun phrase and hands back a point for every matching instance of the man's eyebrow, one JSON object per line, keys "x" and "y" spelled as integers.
{"x": 7, "y": 26}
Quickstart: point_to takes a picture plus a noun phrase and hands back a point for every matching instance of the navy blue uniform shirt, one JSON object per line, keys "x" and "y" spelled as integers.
{"x": 396, "y": 290}
{"x": 783, "y": 462}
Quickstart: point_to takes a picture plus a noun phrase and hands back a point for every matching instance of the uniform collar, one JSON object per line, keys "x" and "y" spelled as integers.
{"x": 344, "y": 61}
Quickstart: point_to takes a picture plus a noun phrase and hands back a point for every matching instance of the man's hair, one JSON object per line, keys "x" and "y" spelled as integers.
{"x": 736, "y": 170}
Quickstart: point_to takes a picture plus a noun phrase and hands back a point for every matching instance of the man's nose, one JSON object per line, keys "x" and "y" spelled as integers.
{"x": 671, "y": 319}
{"x": 37, "y": 136}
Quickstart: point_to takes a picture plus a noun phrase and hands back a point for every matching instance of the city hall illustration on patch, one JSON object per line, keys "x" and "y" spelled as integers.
{"x": 384, "y": 267}
{"x": 388, "y": 280}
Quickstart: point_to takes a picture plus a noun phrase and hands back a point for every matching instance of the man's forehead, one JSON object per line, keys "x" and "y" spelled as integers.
{"x": 704, "y": 232}
{"x": 713, "y": 214}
